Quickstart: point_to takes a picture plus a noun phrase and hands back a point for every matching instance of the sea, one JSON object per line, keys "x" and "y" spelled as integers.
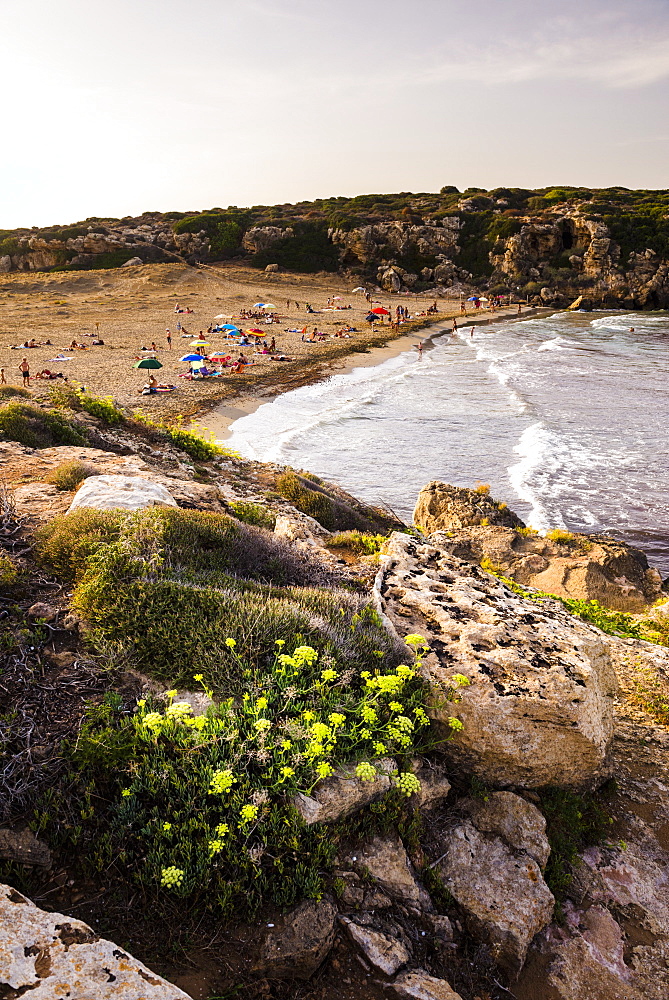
{"x": 566, "y": 417}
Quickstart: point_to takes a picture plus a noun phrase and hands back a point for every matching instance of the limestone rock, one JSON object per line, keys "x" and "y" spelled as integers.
{"x": 585, "y": 567}
{"x": 41, "y": 610}
{"x": 516, "y": 821}
{"x": 125, "y": 492}
{"x": 383, "y": 952}
{"x": 133, "y": 262}
{"x": 385, "y": 860}
{"x": 49, "y": 955}
{"x": 343, "y": 794}
{"x": 418, "y": 985}
{"x": 271, "y": 269}
{"x": 23, "y": 847}
{"x": 301, "y": 941}
{"x": 443, "y": 507}
{"x": 503, "y": 894}
{"x": 434, "y": 786}
{"x": 539, "y": 708}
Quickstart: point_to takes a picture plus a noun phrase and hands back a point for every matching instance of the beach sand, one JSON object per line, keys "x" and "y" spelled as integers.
{"x": 132, "y": 307}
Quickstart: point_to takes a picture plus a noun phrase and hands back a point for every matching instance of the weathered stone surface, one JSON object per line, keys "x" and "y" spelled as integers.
{"x": 343, "y": 794}
{"x": 503, "y": 894}
{"x": 49, "y": 955}
{"x": 591, "y": 567}
{"x": 539, "y": 708}
{"x": 383, "y": 952}
{"x": 516, "y": 821}
{"x": 385, "y": 860}
{"x": 133, "y": 262}
{"x": 42, "y": 610}
{"x": 23, "y": 847}
{"x": 125, "y": 492}
{"x": 418, "y": 985}
{"x": 441, "y": 507}
{"x": 296, "y": 947}
{"x": 434, "y": 785}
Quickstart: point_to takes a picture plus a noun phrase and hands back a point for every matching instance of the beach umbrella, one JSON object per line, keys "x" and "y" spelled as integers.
{"x": 256, "y": 333}
{"x": 258, "y": 305}
{"x": 359, "y": 289}
{"x": 472, "y": 298}
{"x": 380, "y": 311}
{"x": 337, "y": 298}
{"x": 223, "y": 316}
{"x": 192, "y": 357}
{"x": 148, "y": 363}
{"x": 218, "y": 356}
{"x": 483, "y": 299}
{"x": 199, "y": 343}
{"x": 371, "y": 317}
{"x": 269, "y": 305}
{"x": 230, "y": 326}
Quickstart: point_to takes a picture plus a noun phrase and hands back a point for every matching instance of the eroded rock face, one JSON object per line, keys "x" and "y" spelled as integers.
{"x": 418, "y": 985}
{"x": 539, "y": 708}
{"x": 49, "y": 955}
{"x": 502, "y": 892}
{"x": 385, "y": 953}
{"x": 385, "y": 860}
{"x": 519, "y": 823}
{"x": 441, "y": 507}
{"x": 301, "y": 941}
{"x": 585, "y": 567}
{"x": 343, "y": 794}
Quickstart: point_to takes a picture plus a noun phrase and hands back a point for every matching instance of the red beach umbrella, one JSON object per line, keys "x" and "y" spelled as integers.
{"x": 380, "y": 311}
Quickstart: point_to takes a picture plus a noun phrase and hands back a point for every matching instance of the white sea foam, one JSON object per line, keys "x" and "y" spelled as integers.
{"x": 533, "y": 450}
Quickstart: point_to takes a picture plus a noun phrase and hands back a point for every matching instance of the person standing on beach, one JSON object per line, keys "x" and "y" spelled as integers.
{"x": 471, "y": 332}
{"x": 3, "y": 380}
{"x": 168, "y": 338}
{"x": 24, "y": 368}
{"x": 455, "y": 325}
{"x": 420, "y": 349}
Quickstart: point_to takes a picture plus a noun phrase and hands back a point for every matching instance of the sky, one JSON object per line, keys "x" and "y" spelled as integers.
{"x": 116, "y": 108}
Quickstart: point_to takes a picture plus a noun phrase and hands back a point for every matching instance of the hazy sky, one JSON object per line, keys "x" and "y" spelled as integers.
{"x": 114, "y": 107}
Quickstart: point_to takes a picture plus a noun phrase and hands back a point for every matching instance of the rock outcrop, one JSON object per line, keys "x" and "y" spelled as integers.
{"x": 539, "y": 706}
{"x": 418, "y": 985}
{"x": 519, "y": 823}
{"x": 49, "y": 955}
{"x": 301, "y": 941}
{"x": 343, "y": 794}
{"x": 441, "y": 507}
{"x": 584, "y": 567}
{"x": 502, "y": 892}
{"x": 385, "y": 953}
{"x": 385, "y": 861}
{"x": 124, "y": 492}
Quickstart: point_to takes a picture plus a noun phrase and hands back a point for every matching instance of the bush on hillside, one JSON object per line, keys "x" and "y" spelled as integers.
{"x": 253, "y": 513}
{"x": 70, "y": 475}
{"x": 37, "y": 428}
{"x": 7, "y": 391}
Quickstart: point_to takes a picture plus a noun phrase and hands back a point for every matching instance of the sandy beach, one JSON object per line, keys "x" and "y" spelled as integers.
{"x": 132, "y": 308}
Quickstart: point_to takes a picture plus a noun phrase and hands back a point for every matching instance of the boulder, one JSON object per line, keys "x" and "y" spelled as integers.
{"x": 441, "y": 507}
{"x": 23, "y": 847}
{"x": 503, "y": 895}
{"x": 584, "y": 567}
{"x": 46, "y": 612}
{"x": 434, "y": 785}
{"x": 300, "y": 942}
{"x": 519, "y": 823}
{"x": 125, "y": 492}
{"x": 271, "y": 269}
{"x": 49, "y": 955}
{"x": 418, "y": 985}
{"x": 385, "y": 860}
{"x": 539, "y": 706}
{"x": 343, "y": 794}
{"x": 133, "y": 262}
{"x": 383, "y": 952}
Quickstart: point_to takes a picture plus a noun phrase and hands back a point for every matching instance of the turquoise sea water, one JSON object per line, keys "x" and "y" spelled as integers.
{"x": 566, "y": 417}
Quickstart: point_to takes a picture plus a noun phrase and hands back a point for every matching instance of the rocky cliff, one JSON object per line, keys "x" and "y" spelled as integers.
{"x": 551, "y": 245}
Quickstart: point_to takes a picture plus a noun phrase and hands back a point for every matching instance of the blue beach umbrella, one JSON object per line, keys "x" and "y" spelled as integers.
{"x": 229, "y": 327}
{"x": 192, "y": 357}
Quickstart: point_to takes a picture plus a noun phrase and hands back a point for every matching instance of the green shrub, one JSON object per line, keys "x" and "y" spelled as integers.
{"x": 253, "y": 513}
{"x": 37, "y": 428}
{"x": 14, "y": 390}
{"x": 200, "y": 808}
{"x": 101, "y": 407}
{"x": 70, "y": 475}
{"x": 191, "y": 442}
{"x": 573, "y": 822}
{"x": 357, "y": 541}
{"x": 65, "y": 543}
{"x": 8, "y": 570}
{"x": 310, "y": 497}
{"x": 309, "y": 501}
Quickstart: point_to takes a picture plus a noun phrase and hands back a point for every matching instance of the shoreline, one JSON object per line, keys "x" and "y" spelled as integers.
{"x": 220, "y": 418}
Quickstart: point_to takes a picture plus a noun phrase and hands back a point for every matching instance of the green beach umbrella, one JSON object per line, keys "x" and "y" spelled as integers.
{"x": 148, "y": 363}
